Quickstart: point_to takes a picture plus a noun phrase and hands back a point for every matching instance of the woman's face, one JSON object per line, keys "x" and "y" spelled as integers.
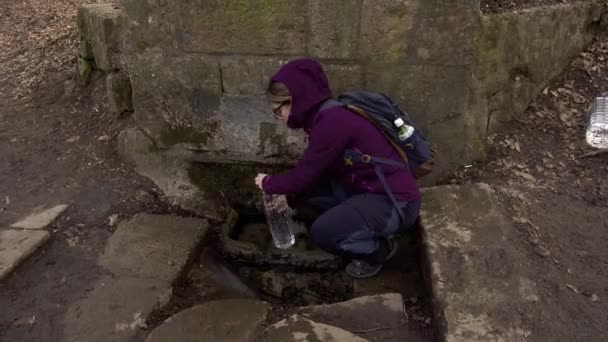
{"x": 281, "y": 110}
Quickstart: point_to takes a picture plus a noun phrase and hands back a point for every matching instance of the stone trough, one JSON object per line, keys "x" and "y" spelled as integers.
{"x": 298, "y": 274}
{"x": 251, "y": 242}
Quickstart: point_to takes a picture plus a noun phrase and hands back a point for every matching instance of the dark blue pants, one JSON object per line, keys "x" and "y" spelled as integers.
{"x": 358, "y": 226}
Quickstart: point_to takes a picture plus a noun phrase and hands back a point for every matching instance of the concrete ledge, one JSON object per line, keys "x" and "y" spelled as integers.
{"x": 476, "y": 274}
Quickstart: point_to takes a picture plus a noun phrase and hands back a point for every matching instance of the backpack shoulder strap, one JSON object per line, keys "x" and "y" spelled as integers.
{"x": 364, "y": 114}
{"x": 330, "y": 103}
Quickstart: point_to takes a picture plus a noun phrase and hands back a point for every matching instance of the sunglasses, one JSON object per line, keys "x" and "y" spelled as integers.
{"x": 277, "y": 111}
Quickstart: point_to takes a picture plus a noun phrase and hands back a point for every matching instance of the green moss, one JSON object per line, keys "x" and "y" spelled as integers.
{"x": 236, "y": 181}
{"x": 85, "y": 69}
{"x": 172, "y": 135}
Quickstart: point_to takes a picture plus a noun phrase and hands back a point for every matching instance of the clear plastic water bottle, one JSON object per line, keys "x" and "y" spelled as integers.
{"x": 597, "y": 126}
{"x": 405, "y": 131}
{"x": 278, "y": 217}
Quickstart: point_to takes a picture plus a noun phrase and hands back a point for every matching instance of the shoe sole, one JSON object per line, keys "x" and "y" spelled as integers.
{"x": 364, "y": 276}
{"x": 394, "y": 250}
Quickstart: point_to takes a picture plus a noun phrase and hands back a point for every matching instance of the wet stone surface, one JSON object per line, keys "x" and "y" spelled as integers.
{"x": 258, "y": 271}
{"x": 249, "y": 241}
{"x": 301, "y": 274}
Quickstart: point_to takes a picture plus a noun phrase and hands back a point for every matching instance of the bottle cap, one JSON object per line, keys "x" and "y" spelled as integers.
{"x": 399, "y": 122}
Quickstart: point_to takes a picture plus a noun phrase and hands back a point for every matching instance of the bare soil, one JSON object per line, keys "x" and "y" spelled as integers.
{"x": 497, "y": 6}
{"x": 57, "y": 145}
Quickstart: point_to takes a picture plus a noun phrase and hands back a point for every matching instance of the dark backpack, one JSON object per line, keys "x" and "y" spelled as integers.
{"x": 382, "y": 112}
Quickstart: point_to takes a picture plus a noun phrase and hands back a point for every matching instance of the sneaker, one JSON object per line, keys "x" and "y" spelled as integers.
{"x": 361, "y": 269}
{"x": 392, "y": 247}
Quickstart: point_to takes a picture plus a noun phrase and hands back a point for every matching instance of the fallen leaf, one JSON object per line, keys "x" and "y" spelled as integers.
{"x": 112, "y": 220}
{"x": 542, "y": 251}
{"x": 525, "y": 176}
{"x": 574, "y": 289}
{"x": 73, "y": 139}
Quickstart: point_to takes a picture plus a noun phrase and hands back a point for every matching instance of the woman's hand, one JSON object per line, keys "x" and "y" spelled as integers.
{"x": 259, "y": 180}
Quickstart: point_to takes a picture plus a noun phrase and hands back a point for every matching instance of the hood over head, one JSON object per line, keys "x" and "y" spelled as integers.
{"x": 308, "y": 87}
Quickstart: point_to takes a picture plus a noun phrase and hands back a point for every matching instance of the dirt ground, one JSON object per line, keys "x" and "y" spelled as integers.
{"x": 57, "y": 146}
{"x": 497, "y": 6}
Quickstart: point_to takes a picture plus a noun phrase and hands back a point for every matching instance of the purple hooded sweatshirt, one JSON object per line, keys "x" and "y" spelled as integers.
{"x": 330, "y": 133}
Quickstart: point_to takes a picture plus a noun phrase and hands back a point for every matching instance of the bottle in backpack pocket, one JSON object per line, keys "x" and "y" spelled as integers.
{"x": 405, "y": 131}
{"x": 597, "y": 127}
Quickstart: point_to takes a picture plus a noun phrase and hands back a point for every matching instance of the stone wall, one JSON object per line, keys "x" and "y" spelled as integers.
{"x": 518, "y": 55}
{"x": 198, "y": 69}
{"x": 199, "y": 73}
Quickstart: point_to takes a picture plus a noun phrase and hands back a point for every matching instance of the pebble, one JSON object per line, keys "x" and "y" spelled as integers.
{"x": 73, "y": 139}
{"x": 595, "y": 298}
{"x": 104, "y": 138}
{"x": 542, "y": 251}
{"x": 574, "y": 289}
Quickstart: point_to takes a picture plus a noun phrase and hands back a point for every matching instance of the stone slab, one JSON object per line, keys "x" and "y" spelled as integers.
{"x": 248, "y": 75}
{"x": 176, "y": 99}
{"x": 153, "y": 246}
{"x": 477, "y": 276}
{"x": 265, "y": 27}
{"x": 171, "y": 174}
{"x": 299, "y": 329}
{"x": 40, "y": 218}
{"x": 233, "y": 320}
{"x": 344, "y": 77}
{"x": 334, "y": 28}
{"x": 363, "y": 313}
{"x": 386, "y": 39}
{"x": 115, "y": 310}
{"x": 16, "y": 246}
{"x": 100, "y": 29}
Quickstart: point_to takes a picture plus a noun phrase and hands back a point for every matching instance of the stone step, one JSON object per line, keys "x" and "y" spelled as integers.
{"x": 115, "y": 309}
{"x": 383, "y": 311}
{"x": 477, "y": 276}
{"x": 234, "y": 320}
{"x": 143, "y": 258}
{"x": 299, "y": 329}
{"x": 152, "y": 246}
{"x": 41, "y": 217}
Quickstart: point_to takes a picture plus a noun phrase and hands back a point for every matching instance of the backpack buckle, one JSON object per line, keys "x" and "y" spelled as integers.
{"x": 366, "y": 158}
